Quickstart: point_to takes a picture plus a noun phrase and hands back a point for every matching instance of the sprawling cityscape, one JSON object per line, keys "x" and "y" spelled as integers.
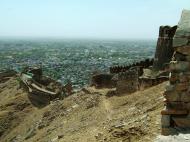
{"x": 73, "y": 60}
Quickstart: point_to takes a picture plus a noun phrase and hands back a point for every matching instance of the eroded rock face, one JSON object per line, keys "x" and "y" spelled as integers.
{"x": 164, "y": 50}
{"x": 177, "y": 93}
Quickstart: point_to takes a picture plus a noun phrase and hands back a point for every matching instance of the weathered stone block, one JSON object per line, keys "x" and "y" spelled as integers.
{"x": 183, "y": 122}
{"x": 172, "y": 96}
{"x": 179, "y": 56}
{"x": 187, "y": 74}
{"x": 179, "y": 42}
{"x": 187, "y": 58}
{"x": 183, "y": 30}
{"x": 165, "y": 120}
{"x": 187, "y": 105}
{"x": 173, "y": 77}
{"x": 182, "y": 86}
{"x": 183, "y": 78}
{"x": 185, "y": 49}
{"x": 179, "y": 66}
{"x": 173, "y": 111}
{"x": 185, "y": 97}
{"x": 176, "y": 105}
{"x": 166, "y": 131}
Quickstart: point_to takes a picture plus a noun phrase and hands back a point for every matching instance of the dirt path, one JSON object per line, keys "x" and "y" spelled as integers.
{"x": 108, "y": 108}
{"x": 83, "y": 117}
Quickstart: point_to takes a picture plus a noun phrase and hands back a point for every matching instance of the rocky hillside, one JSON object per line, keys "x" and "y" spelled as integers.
{"x": 86, "y": 116}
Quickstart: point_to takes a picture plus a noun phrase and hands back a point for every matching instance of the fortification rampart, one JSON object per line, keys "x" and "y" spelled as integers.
{"x": 142, "y": 64}
{"x": 164, "y": 50}
{"x": 128, "y": 82}
{"x": 177, "y": 95}
{"x": 149, "y": 82}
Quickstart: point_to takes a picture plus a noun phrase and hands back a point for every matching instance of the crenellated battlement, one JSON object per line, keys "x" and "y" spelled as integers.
{"x": 142, "y": 64}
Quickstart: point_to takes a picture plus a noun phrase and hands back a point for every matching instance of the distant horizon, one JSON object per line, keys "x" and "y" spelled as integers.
{"x": 68, "y": 38}
{"x": 84, "y": 19}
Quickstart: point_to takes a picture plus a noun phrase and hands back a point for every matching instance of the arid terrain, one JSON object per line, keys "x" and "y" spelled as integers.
{"x": 86, "y": 116}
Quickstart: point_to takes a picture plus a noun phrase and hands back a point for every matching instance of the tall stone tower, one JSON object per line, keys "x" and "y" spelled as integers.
{"x": 164, "y": 50}
{"x": 177, "y": 94}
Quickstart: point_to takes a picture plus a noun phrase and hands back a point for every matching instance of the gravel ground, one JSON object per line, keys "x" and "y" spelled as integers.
{"x": 183, "y": 135}
{"x": 174, "y": 138}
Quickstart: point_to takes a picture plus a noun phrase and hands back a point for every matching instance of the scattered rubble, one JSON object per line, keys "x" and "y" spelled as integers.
{"x": 42, "y": 89}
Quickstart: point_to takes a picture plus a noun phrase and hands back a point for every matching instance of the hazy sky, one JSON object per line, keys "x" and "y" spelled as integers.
{"x": 88, "y": 18}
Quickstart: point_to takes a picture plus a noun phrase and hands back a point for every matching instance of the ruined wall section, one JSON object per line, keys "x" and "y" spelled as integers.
{"x": 149, "y": 82}
{"x": 164, "y": 50}
{"x": 142, "y": 64}
{"x": 128, "y": 82}
{"x": 7, "y": 73}
{"x": 177, "y": 95}
{"x": 103, "y": 81}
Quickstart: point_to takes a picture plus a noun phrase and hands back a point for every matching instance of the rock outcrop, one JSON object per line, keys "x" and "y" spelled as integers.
{"x": 177, "y": 94}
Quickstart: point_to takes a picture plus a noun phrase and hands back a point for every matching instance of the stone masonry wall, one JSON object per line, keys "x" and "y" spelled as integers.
{"x": 164, "y": 50}
{"x": 127, "y": 82}
{"x": 176, "y": 114}
{"x": 149, "y": 82}
{"x": 142, "y": 64}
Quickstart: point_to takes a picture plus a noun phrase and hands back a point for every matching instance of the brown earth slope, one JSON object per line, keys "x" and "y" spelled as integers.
{"x": 86, "y": 116}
